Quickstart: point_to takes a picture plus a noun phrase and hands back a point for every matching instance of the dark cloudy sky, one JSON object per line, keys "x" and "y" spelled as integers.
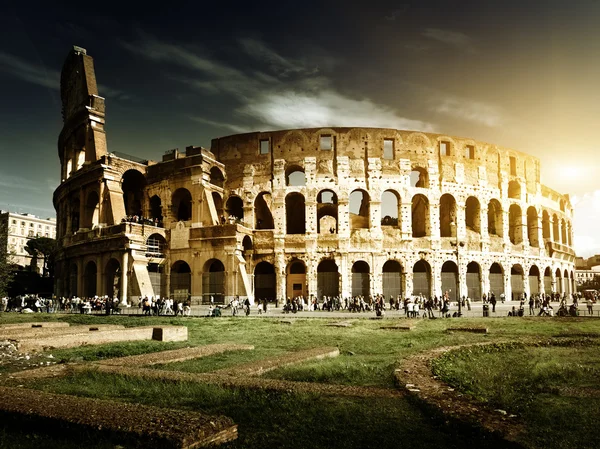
{"x": 521, "y": 74}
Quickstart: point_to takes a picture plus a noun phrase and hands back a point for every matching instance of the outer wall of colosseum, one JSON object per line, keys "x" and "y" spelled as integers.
{"x": 322, "y": 211}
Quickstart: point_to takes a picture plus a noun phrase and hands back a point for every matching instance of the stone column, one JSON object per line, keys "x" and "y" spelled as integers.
{"x": 407, "y": 288}
{"x": 524, "y": 230}
{"x": 485, "y": 283}
{"x": 124, "y": 277}
{"x": 99, "y": 272}
{"x": 505, "y": 227}
{"x": 345, "y": 274}
{"x": 406, "y": 220}
{"x": 540, "y": 232}
{"x": 526, "y": 288}
{"x": 434, "y": 220}
{"x": 311, "y": 216}
{"x": 376, "y": 276}
{"x": 507, "y": 286}
{"x": 483, "y": 222}
{"x": 461, "y": 222}
{"x": 436, "y": 278}
{"x": 311, "y": 273}
{"x": 343, "y": 218}
{"x": 280, "y": 277}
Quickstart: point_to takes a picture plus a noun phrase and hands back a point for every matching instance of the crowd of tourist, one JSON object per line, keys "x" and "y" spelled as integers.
{"x": 142, "y": 220}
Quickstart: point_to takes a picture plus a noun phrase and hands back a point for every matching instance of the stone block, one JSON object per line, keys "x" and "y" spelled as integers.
{"x": 170, "y": 333}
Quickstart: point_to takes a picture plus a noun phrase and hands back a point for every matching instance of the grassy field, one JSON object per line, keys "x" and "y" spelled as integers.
{"x": 368, "y": 356}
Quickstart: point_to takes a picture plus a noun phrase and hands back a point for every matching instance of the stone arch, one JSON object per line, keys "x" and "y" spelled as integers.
{"x": 295, "y": 212}
{"x": 91, "y": 212}
{"x": 532, "y": 227}
{"x": 422, "y": 278}
{"x": 515, "y": 224}
{"x": 496, "y": 277}
{"x": 392, "y": 279}
{"x": 155, "y": 246}
{"x": 133, "y": 184}
{"x": 327, "y": 212}
{"x": 235, "y": 207}
{"x": 514, "y": 190}
{"x": 473, "y": 214}
{"x": 328, "y": 279}
{"x": 213, "y": 281}
{"x": 534, "y": 280}
{"x": 555, "y": 229}
{"x": 247, "y": 244}
{"x": 181, "y": 280}
{"x": 419, "y": 177}
{"x": 517, "y": 285}
{"x": 156, "y": 209}
{"x": 495, "y": 220}
{"x": 181, "y": 202}
{"x": 447, "y": 216}
{"x": 545, "y": 225}
{"x": 359, "y": 205}
{"x": 262, "y": 211}
{"x": 296, "y": 279}
{"x": 449, "y": 277}
{"x": 420, "y": 216}
{"x": 295, "y": 176}
{"x": 418, "y": 139}
{"x": 216, "y": 177}
{"x": 75, "y": 209}
{"x": 361, "y": 284}
{"x": 548, "y": 280}
{"x": 474, "y": 281}
{"x": 90, "y": 275}
{"x": 265, "y": 285}
{"x": 566, "y": 283}
{"x": 112, "y": 279}
{"x": 390, "y": 208}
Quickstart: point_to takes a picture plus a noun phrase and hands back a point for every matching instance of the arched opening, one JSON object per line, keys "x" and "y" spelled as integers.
{"x": 517, "y": 285}
{"x": 89, "y": 279}
{"x": 555, "y": 229}
{"x": 112, "y": 279}
{"x": 532, "y": 227}
{"x": 294, "y": 176}
{"x": 559, "y": 281}
{"x": 216, "y": 177}
{"x": 392, "y": 279}
{"x": 133, "y": 183}
{"x": 218, "y": 202}
{"x": 562, "y": 205}
{"x": 264, "y": 282}
{"x": 213, "y": 281}
{"x": 182, "y": 204}
{"x": 361, "y": 279}
{"x": 390, "y": 208}
{"x": 447, "y": 216}
{"x": 496, "y": 280}
{"x": 515, "y": 224}
{"x": 181, "y": 280}
{"x": 420, "y": 216}
{"x": 547, "y": 280}
{"x": 450, "y": 280}
{"x": 75, "y": 213}
{"x": 72, "y": 284}
{"x": 262, "y": 211}
{"x": 473, "y": 215}
{"x": 296, "y": 279}
{"x": 247, "y": 244}
{"x": 328, "y": 279}
{"x": 156, "y": 209}
{"x": 235, "y": 207}
{"x": 514, "y": 190}
{"x": 419, "y": 178}
{"x": 155, "y": 246}
{"x": 534, "y": 280}
{"x": 295, "y": 213}
{"x": 563, "y": 232}
{"x": 474, "y": 281}
{"x": 545, "y": 225}
{"x": 422, "y": 279}
{"x": 359, "y": 210}
{"x": 494, "y": 214}
{"x": 327, "y": 212}
{"x": 91, "y": 212}
{"x": 157, "y": 279}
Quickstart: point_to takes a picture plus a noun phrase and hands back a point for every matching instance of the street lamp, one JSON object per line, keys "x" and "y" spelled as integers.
{"x": 457, "y": 244}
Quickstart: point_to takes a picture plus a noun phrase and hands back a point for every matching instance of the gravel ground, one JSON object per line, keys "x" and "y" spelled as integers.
{"x": 11, "y": 359}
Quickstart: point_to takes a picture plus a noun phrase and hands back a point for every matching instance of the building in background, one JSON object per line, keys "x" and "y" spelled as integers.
{"x": 20, "y": 228}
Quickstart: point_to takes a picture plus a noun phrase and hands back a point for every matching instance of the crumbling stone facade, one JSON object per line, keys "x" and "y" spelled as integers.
{"x": 321, "y": 211}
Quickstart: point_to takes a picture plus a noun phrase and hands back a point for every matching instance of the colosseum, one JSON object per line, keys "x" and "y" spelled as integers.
{"x": 320, "y": 211}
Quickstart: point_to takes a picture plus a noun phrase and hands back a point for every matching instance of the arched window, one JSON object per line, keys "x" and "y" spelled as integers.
{"x": 235, "y": 207}
{"x": 515, "y": 223}
{"x": 555, "y": 229}
{"x": 495, "y": 224}
{"x": 390, "y": 208}
{"x": 359, "y": 210}
{"x": 473, "y": 215}
{"x": 532, "y": 226}
{"x": 133, "y": 185}
{"x": 419, "y": 177}
{"x": 216, "y": 177}
{"x": 545, "y": 224}
{"x": 294, "y": 176}
{"x": 420, "y": 216}
{"x": 155, "y": 246}
{"x": 447, "y": 216}
{"x": 262, "y": 211}
{"x": 156, "y": 209}
{"x": 182, "y": 204}
{"x": 327, "y": 212}
{"x": 92, "y": 210}
{"x": 295, "y": 213}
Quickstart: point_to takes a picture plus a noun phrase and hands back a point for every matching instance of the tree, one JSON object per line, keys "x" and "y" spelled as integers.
{"x": 43, "y": 247}
{"x": 6, "y": 269}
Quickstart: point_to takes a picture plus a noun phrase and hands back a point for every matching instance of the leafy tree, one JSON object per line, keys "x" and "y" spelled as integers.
{"x": 592, "y": 284}
{"x": 6, "y": 271}
{"x": 43, "y": 247}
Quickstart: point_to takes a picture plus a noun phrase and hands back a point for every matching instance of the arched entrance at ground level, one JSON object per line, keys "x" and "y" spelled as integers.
{"x": 547, "y": 281}
{"x": 517, "y": 285}
{"x": 422, "y": 279}
{"x": 559, "y": 282}
{"x": 181, "y": 280}
{"x": 534, "y": 280}
{"x": 72, "y": 282}
{"x": 213, "y": 281}
{"x": 328, "y": 279}
{"x": 360, "y": 279}
{"x": 496, "y": 280}
{"x": 450, "y": 280}
{"x": 265, "y": 286}
{"x": 392, "y": 278}
{"x": 473, "y": 281}
{"x": 296, "y": 279}
{"x": 112, "y": 276}
{"x": 157, "y": 279}
{"x": 89, "y": 279}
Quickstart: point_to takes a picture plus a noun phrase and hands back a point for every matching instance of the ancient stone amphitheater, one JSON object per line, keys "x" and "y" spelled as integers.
{"x": 321, "y": 211}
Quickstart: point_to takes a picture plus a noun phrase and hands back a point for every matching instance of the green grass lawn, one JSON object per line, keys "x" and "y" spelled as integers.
{"x": 368, "y": 356}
